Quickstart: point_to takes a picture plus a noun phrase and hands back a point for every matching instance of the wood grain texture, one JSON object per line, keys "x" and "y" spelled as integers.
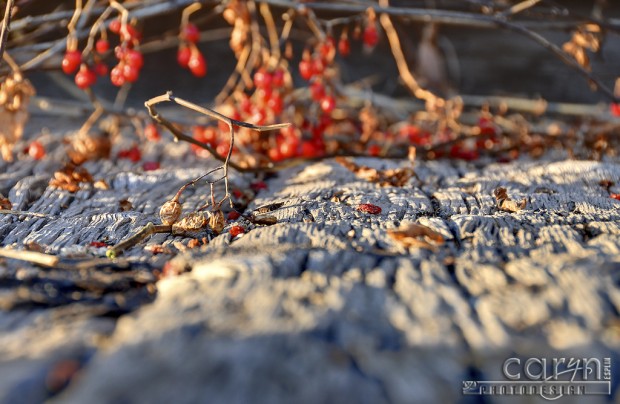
{"x": 324, "y": 305}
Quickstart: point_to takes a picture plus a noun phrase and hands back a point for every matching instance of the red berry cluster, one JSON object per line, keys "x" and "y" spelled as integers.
{"x": 92, "y": 65}
{"x": 130, "y": 59}
{"x": 188, "y": 55}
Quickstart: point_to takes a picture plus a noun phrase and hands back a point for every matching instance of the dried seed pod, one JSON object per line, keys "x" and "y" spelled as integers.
{"x": 191, "y": 225}
{"x": 170, "y": 212}
{"x": 217, "y": 221}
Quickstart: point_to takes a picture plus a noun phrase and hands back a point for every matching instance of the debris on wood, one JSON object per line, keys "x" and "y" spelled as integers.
{"x": 506, "y": 204}
{"x": 417, "y": 236}
{"x": 33, "y": 257}
{"x": 125, "y": 205}
{"x": 369, "y": 208}
{"x": 269, "y": 208}
{"x": 191, "y": 225}
{"x": 5, "y": 204}
{"x": 85, "y": 147}
{"x": 396, "y": 177}
{"x": 70, "y": 177}
{"x": 158, "y": 249}
{"x": 264, "y": 220}
{"x": 143, "y": 233}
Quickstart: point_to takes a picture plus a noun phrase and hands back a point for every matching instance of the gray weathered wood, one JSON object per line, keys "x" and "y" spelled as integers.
{"x": 324, "y": 305}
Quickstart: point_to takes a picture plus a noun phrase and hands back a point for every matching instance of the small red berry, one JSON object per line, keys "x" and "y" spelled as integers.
{"x": 233, "y": 215}
{"x": 371, "y": 37}
{"x": 262, "y": 78}
{"x": 115, "y": 26}
{"x": 369, "y": 208}
{"x": 344, "y": 46}
{"x": 222, "y": 149}
{"x": 132, "y": 154}
{"x": 183, "y": 55}
{"x": 102, "y": 46}
{"x": 134, "y": 58}
{"x": 306, "y": 69}
{"x": 615, "y": 108}
{"x": 152, "y": 133}
{"x": 197, "y": 64}
{"x": 190, "y": 33}
{"x": 101, "y": 69}
{"x": 71, "y": 61}
{"x": 258, "y": 185}
{"x": 317, "y": 90}
{"x": 236, "y": 230}
{"x": 150, "y": 166}
{"x": 328, "y": 104}
{"x": 36, "y": 150}
{"x": 85, "y": 77}
{"x": 309, "y": 150}
{"x": 116, "y": 75}
{"x": 277, "y": 78}
{"x": 131, "y": 73}
{"x": 615, "y": 196}
{"x": 275, "y": 103}
{"x": 274, "y": 154}
{"x": 374, "y": 150}
{"x": 98, "y": 244}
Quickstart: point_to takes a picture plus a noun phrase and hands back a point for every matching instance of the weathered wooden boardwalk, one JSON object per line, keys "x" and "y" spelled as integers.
{"x": 323, "y": 306}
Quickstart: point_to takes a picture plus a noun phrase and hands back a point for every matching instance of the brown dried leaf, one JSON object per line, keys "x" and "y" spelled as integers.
{"x": 5, "y": 203}
{"x": 506, "y": 204}
{"x": 417, "y": 235}
{"x": 125, "y": 205}
{"x": 70, "y": 177}
{"x": 397, "y": 177}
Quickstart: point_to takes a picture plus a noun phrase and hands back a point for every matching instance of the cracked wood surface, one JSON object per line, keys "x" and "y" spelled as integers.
{"x": 324, "y": 305}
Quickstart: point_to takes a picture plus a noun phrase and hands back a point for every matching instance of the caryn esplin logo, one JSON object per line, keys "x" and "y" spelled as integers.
{"x": 548, "y": 379}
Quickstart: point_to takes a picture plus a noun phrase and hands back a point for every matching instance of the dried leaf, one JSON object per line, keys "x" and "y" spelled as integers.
{"x": 5, "y": 203}
{"x": 506, "y": 204}
{"x": 70, "y": 177}
{"x": 397, "y": 177}
{"x": 125, "y": 205}
{"x": 417, "y": 235}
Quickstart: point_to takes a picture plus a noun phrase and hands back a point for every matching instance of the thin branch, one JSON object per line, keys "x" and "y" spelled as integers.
{"x": 401, "y": 62}
{"x": 143, "y": 233}
{"x": 6, "y": 26}
{"x": 33, "y": 257}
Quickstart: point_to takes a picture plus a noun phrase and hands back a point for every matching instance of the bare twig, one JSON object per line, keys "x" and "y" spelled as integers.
{"x": 34, "y": 257}
{"x": 143, "y": 233}
{"x": 168, "y": 97}
{"x": 25, "y": 213}
{"x": 6, "y": 26}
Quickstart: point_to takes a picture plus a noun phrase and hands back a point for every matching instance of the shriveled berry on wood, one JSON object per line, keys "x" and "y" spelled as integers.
{"x": 369, "y": 208}
{"x": 170, "y": 212}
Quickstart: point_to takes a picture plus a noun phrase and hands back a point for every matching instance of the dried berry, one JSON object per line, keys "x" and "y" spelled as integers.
{"x": 170, "y": 212}
{"x": 36, "y": 150}
{"x": 217, "y": 221}
{"x": 236, "y": 230}
{"x": 369, "y": 208}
